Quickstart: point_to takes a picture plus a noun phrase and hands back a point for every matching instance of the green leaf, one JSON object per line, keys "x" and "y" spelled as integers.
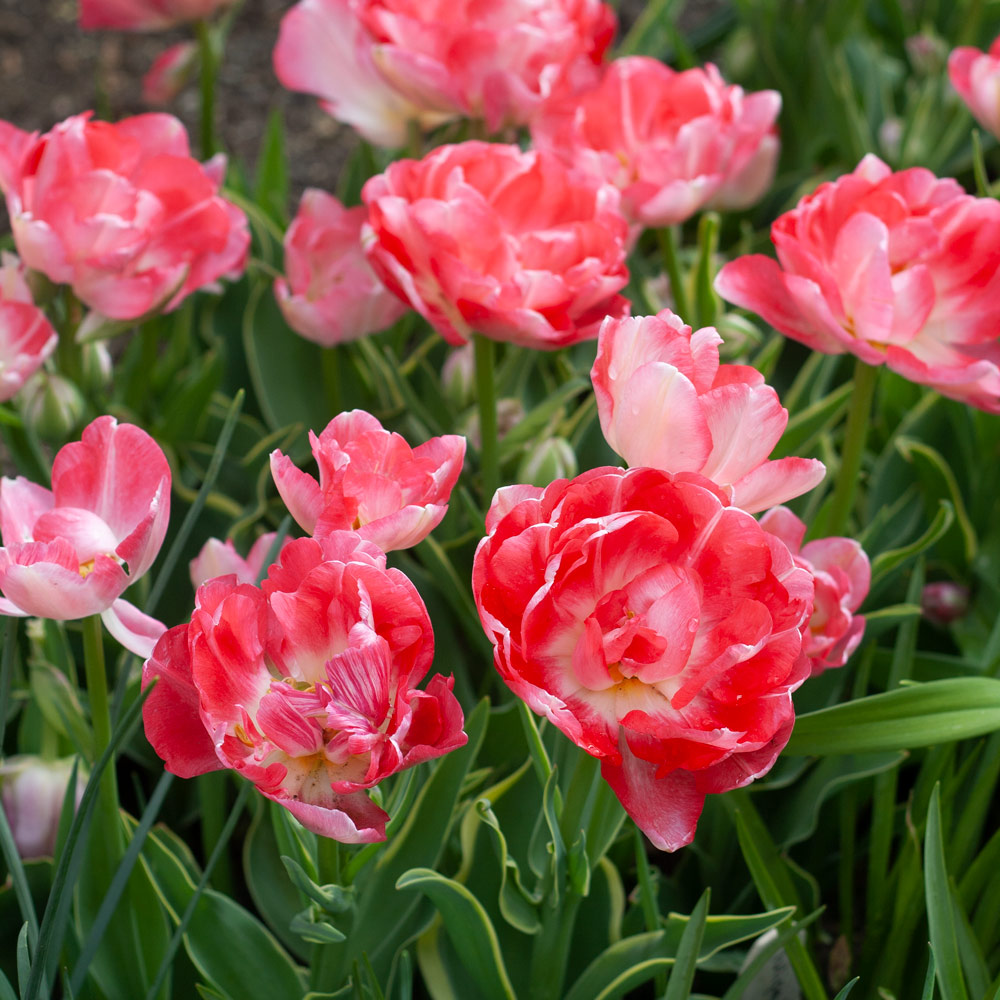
{"x": 724, "y": 930}
{"x": 814, "y": 419}
{"x": 885, "y": 562}
{"x": 312, "y": 926}
{"x": 252, "y": 962}
{"x": 286, "y": 369}
{"x": 846, "y": 991}
{"x": 535, "y": 421}
{"x": 682, "y": 976}
{"x": 940, "y": 912}
{"x": 622, "y": 967}
{"x": 271, "y": 188}
{"x": 58, "y": 702}
{"x": 918, "y": 715}
{"x": 331, "y": 898}
{"x": 469, "y": 927}
{"x": 6, "y": 990}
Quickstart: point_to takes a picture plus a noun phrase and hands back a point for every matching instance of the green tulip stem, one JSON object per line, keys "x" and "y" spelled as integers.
{"x": 487, "y": 398}
{"x": 855, "y": 436}
{"x": 672, "y": 265}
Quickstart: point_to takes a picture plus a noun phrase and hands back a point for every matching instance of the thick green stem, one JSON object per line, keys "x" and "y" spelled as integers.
{"x": 486, "y": 395}
{"x": 671, "y": 262}
{"x": 551, "y": 948}
{"x": 106, "y": 826}
{"x": 212, "y": 803}
{"x": 865, "y": 377}
{"x": 209, "y": 59}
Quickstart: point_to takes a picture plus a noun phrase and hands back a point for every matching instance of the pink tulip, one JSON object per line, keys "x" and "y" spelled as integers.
{"x": 900, "y": 269}
{"x": 123, "y": 214}
{"x": 221, "y": 558}
{"x": 371, "y": 481}
{"x": 145, "y": 15}
{"x": 66, "y": 549}
{"x": 26, "y": 336}
{"x": 673, "y": 143}
{"x": 331, "y": 294}
{"x": 379, "y": 64}
{"x": 485, "y": 238}
{"x": 658, "y": 627}
{"x": 841, "y": 576}
{"x": 976, "y": 77}
{"x": 664, "y": 401}
{"x": 170, "y": 73}
{"x": 305, "y": 686}
{"x": 32, "y": 792}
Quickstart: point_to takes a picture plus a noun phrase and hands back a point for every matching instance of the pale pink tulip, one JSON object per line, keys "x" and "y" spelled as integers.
{"x": 170, "y": 73}
{"x": 976, "y": 77}
{"x": 66, "y": 549}
{"x": 221, "y": 559}
{"x": 331, "y": 294}
{"x": 379, "y": 64}
{"x": 123, "y": 214}
{"x": 371, "y": 481}
{"x": 26, "y": 336}
{"x": 32, "y": 791}
{"x": 841, "y": 576}
{"x": 324, "y": 50}
{"x": 664, "y": 401}
{"x": 482, "y": 237}
{"x": 673, "y": 143}
{"x": 145, "y": 15}
{"x": 901, "y": 269}
{"x": 306, "y": 686}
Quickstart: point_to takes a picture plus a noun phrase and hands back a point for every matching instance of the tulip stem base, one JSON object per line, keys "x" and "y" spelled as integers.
{"x": 487, "y": 399}
{"x": 672, "y": 265}
{"x": 855, "y": 436}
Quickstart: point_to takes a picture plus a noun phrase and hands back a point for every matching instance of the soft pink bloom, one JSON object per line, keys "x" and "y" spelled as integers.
{"x": 379, "y": 64}
{"x": 170, "y": 73}
{"x": 665, "y": 401}
{"x": 145, "y": 15}
{"x": 331, "y": 294}
{"x": 32, "y": 792}
{"x": 841, "y": 576}
{"x": 123, "y": 213}
{"x": 485, "y": 238}
{"x": 672, "y": 142}
{"x": 371, "y": 481}
{"x": 897, "y": 268}
{"x": 306, "y": 686}
{"x": 976, "y": 77}
{"x": 27, "y": 338}
{"x": 658, "y": 627}
{"x": 66, "y": 549}
{"x": 221, "y": 558}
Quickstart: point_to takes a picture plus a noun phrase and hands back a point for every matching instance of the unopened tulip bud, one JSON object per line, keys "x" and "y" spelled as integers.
{"x": 928, "y": 53}
{"x": 95, "y": 366}
{"x": 944, "y": 602}
{"x": 32, "y": 792}
{"x": 548, "y": 461}
{"x": 53, "y": 407}
{"x": 458, "y": 377}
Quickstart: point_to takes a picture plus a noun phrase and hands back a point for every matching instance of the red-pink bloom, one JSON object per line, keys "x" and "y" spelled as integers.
{"x": 976, "y": 77}
{"x": 331, "y": 294}
{"x": 221, "y": 559}
{"x": 305, "y": 686}
{"x": 659, "y": 628}
{"x": 665, "y": 401}
{"x": 123, "y": 213}
{"x": 371, "y": 481}
{"x": 841, "y": 576}
{"x": 897, "y": 268}
{"x": 379, "y": 64}
{"x": 145, "y": 15}
{"x": 673, "y": 143}
{"x": 170, "y": 73}
{"x": 485, "y": 238}
{"x": 66, "y": 549}
{"x": 26, "y": 336}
